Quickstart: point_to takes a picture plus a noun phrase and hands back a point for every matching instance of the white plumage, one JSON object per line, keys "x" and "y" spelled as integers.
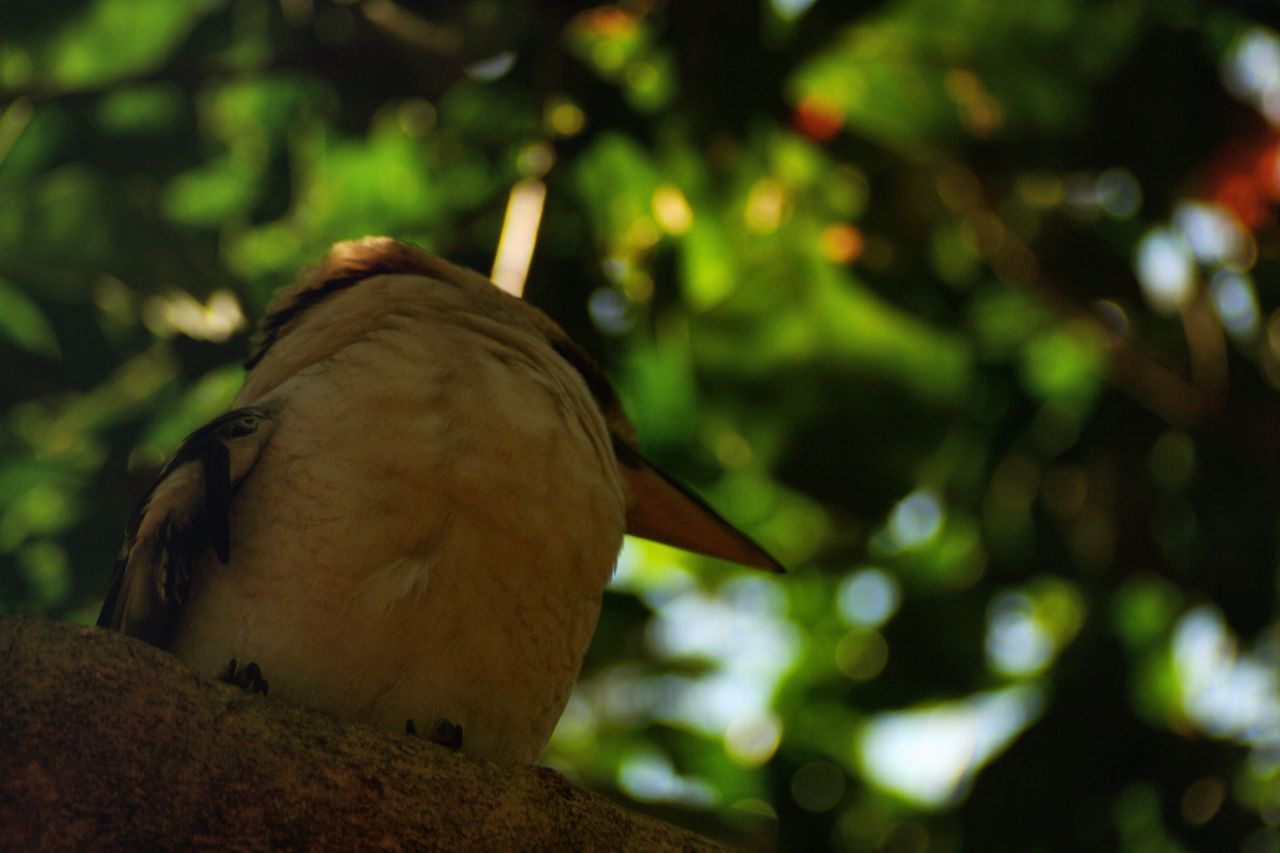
{"x": 411, "y": 513}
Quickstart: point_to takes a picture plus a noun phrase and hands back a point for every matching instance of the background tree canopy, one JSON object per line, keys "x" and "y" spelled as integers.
{"x": 968, "y": 310}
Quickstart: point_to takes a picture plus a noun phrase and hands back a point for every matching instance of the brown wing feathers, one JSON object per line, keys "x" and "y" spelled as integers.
{"x": 185, "y": 512}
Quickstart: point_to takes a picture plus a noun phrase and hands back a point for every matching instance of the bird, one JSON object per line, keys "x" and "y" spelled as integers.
{"x": 410, "y": 512}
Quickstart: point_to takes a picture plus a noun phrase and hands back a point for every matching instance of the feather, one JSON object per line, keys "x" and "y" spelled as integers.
{"x": 185, "y": 513}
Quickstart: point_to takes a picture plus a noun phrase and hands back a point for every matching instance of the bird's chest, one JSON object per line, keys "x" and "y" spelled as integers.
{"x": 424, "y": 538}
{"x": 476, "y": 465}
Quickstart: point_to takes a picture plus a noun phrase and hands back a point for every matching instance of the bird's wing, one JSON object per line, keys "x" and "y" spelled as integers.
{"x": 186, "y": 512}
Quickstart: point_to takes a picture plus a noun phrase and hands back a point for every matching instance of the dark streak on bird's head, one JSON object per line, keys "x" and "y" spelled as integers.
{"x": 274, "y": 323}
{"x": 598, "y": 384}
{"x": 347, "y": 264}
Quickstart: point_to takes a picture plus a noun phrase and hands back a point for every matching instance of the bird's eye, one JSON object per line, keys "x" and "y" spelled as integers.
{"x": 241, "y": 426}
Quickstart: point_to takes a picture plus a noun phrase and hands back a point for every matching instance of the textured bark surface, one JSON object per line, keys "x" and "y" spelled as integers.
{"x": 107, "y": 743}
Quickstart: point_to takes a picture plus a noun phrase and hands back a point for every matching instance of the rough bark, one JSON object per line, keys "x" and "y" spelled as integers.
{"x": 107, "y": 743}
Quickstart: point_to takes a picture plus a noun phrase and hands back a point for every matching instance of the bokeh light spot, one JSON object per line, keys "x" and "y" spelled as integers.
{"x": 1210, "y": 231}
{"x": 1225, "y": 692}
{"x": 789, "y": 10}
{"x": 609, "y": 310}
{"x": 1165, "y": 270}
{"x": 1119, "y": 193}
{"x": 535, "y": 160}
{"x": 916, "y": 519}
{"x": 766, "y": 204}
{"x": 671, "y": 210}
{"x": 752, "y": 739}
{"x": 1016, "y": 644}
{"x": 1113, "y": 316}
{"x": 1235, "y": 303}
{"x": 492, "y": 68}
{"x": 417, "y": 118}
{"x": 817, "y": 117}
{"x": 564, "y": 117}
{"x": 181, "y": 313}
{"x": 930, "y": 755}
{"x": 649, "y": 776}
{"x": 869, "y": 597}
{"x": 1114, "y": 192}
{"x": 841, "y": 243}
{"x": 1251, "y": 69}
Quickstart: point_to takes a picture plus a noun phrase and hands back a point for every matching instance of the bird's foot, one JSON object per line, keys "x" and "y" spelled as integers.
{"x": 247, "y": 677}
{"x": 445, "y": 733}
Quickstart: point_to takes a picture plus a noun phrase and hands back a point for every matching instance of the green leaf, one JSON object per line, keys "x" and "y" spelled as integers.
{"x": 211, "y": 195}
{"x": 24, "y": 324}
{"x": 115, "y": 38}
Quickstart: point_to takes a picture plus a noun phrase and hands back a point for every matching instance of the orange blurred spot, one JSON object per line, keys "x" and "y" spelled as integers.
{"x": 1244, "y": 177}
{"x": 606, "y": 22}
{"x": 818, "y": 118}
{"x": 841, "y": 243}
{"x": 1266, "y": 172}
{"x": 1238, "y": 194}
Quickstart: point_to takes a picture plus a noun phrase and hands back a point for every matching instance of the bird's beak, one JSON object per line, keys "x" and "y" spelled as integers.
{"x": 661, "y": 509}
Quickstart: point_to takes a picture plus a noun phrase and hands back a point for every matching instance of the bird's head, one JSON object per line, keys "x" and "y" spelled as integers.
{"x": 657, "y": 506}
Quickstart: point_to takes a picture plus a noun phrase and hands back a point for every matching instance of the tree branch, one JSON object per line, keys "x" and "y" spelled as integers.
{"x": 107, "y": 743}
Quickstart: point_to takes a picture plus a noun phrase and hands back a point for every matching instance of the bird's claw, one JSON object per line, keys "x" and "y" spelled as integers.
{"x": 247, "y": 677}
{"x": 445, "y": 733}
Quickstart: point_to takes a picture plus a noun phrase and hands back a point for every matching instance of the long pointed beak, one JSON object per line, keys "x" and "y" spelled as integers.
{"x": 663, "y": 510}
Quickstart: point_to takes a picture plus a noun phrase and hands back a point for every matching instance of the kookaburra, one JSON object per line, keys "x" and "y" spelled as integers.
{"x": 410, "y": 513}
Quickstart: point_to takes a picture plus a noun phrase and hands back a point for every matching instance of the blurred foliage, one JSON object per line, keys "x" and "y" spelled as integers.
{"x": 968, "y": 310}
